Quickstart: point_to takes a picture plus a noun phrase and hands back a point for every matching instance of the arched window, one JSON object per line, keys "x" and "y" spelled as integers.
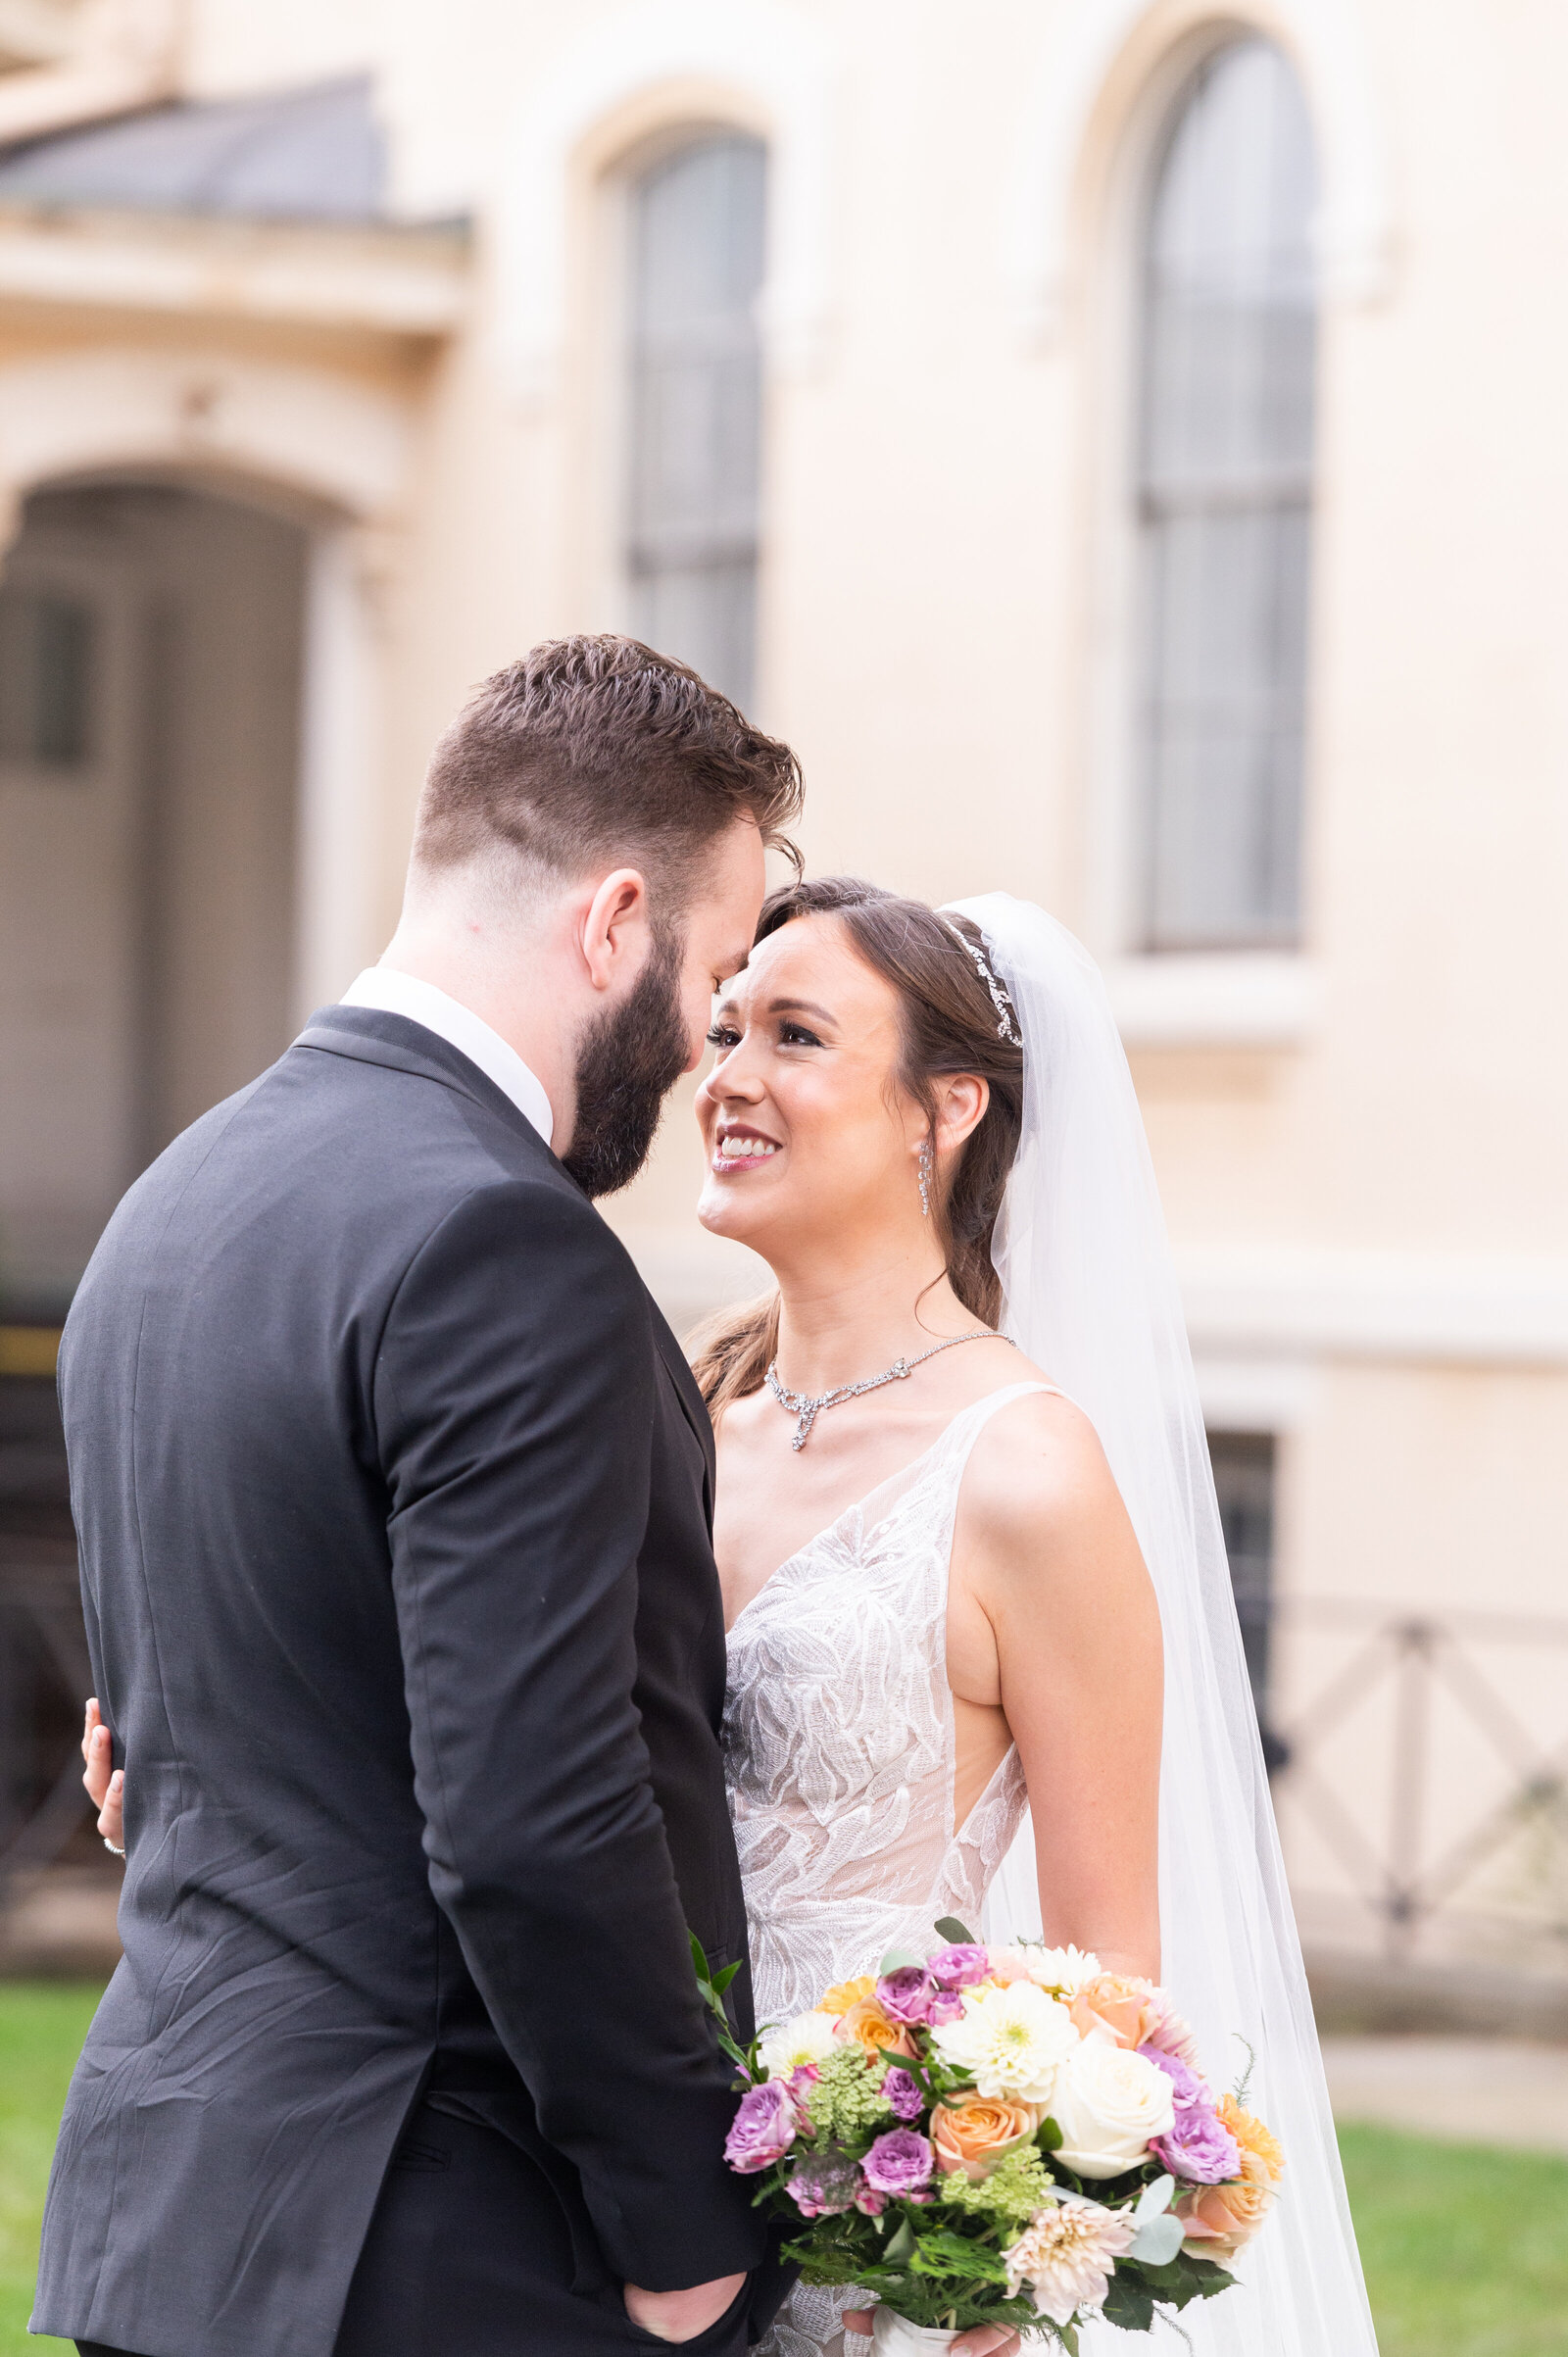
{"x": 1225, "y": 495}
{"x": 694, "y": 403}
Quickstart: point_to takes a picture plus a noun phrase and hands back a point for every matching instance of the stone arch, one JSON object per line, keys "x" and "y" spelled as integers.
{"x": 1327, "y": 44}
{"x": 338, "y": 447}
{"x": 768, "y": 66}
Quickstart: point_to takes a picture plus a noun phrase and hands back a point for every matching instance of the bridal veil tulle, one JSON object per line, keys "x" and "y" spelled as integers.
{"x": 1090, "y": 1295}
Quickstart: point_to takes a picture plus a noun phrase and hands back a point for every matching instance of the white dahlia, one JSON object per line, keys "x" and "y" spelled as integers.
{"x": 1013, "y": 2042}
{"x": 1060, "y": 1970}
{"x": 1066, "y": 2255}
{"x": 807, "y": 2039}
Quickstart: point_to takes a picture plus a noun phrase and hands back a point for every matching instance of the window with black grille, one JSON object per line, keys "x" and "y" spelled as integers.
{"x": 45, "y": 679}
{"x": 1245, "y": 1465}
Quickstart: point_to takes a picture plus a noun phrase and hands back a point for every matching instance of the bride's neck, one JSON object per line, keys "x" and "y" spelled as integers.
{"x": 837, "y": 1325}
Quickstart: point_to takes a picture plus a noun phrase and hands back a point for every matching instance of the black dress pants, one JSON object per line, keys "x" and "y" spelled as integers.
{"x": 468, "y": 2255}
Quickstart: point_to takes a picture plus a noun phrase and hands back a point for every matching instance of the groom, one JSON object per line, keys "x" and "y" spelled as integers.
{"x": 393, "y": 1493}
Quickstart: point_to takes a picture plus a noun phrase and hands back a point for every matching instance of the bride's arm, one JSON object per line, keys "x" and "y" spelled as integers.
{"x": 105, "y": 1784}
{"x": 1047, "y": 1554}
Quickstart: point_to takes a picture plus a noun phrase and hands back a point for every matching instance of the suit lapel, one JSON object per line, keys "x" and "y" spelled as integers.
{"x": 692, "y": 1403}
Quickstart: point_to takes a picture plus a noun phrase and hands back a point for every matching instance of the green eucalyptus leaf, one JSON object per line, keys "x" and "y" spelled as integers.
{"x": 1158, "y": 2241}
{"x": 955, "y": 1933}
{"x": 900, "y": 1959}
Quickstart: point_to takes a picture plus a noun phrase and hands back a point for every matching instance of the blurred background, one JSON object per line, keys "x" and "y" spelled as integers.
{"x": 1120, "y": 444}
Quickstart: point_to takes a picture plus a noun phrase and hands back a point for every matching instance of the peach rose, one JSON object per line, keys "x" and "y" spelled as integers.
{"x": 974, "y": 2135}
{"x": 1252, "y": 2137}
{"x": 1128, "y": 2009}
{"x": 845, "y": 1994}
{"x": 1216, "y": 2220}
{"x": 869, "y": 2028}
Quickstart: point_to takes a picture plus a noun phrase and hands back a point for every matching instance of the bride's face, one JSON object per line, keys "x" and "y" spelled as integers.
{"x": 806, "y": 1126}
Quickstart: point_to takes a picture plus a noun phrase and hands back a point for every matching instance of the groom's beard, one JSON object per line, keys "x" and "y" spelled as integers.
{"x": 629, "y": 1059}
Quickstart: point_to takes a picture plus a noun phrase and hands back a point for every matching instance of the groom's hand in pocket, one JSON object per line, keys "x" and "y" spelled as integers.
{"x": 682, "y": 2315}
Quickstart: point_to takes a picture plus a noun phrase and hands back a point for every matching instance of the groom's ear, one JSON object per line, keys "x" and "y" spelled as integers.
{"x": 613, "y": 934}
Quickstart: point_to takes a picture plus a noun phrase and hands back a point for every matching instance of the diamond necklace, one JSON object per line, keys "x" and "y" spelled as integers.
{"x": 799, "y": 1403}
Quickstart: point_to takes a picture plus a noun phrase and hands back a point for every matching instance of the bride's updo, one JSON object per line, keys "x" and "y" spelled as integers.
{"x": 948, "y": 1022}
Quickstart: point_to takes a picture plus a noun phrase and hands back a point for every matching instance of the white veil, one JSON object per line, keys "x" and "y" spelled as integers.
{"x": 1089, "y": 1293}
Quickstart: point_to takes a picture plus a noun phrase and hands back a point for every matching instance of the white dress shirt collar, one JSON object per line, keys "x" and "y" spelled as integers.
{"x": 383, "y": 987}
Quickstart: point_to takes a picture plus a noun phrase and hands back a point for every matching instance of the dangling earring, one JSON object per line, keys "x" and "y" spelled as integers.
{"x": 925, "y": 1178}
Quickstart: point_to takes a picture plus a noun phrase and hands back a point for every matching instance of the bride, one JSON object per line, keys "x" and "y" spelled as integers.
{"x": 983, "y": 1657}
{"x": 968, "y": 1534}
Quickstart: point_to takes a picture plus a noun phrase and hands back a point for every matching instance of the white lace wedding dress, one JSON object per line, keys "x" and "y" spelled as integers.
{"x": 840, "y": 1752}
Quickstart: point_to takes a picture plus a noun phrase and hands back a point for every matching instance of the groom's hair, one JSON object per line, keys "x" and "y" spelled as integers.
{"x": 598, "y": 752}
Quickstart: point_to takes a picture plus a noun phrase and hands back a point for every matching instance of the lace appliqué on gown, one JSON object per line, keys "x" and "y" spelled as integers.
{"x": 839, "y": 1752}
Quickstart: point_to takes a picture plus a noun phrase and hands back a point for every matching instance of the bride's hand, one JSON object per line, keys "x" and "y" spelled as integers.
{"x": 981, "y": 2340}
{"x": 106, "y": 1785}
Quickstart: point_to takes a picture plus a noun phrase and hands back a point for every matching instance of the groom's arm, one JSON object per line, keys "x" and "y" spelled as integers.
{"x": 513, "y": 1406}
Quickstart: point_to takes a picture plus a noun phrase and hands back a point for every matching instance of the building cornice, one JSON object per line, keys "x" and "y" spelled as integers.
{"x": 1263, "y": 1319}
{"x": 391, "y": 281}
{"x": 1412, "y": 1307}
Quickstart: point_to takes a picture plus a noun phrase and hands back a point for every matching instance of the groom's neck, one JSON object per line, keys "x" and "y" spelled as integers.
{"x": 516, "y": 973}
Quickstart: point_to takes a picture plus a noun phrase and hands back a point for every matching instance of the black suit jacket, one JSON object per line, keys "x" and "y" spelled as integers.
{"x": 393, "y": 1493}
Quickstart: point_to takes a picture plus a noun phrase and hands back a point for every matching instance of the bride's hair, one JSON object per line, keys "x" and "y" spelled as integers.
{"x": 948, "y": 1022}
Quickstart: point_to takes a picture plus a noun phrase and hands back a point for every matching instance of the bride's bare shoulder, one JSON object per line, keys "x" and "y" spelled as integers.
{"x": 1038, "y": 1490}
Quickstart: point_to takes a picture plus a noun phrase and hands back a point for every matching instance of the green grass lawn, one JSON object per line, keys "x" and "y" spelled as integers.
{"x": 41, "y": 2027}
{"x": 1466, "y": 2250}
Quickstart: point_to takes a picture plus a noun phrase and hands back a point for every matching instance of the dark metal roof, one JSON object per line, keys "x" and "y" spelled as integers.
{"x": 314, "y": 154}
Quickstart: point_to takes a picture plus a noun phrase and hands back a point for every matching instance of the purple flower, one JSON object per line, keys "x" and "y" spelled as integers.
{"x": 946, "y": 2006}
{"x": 1186, "y": 2085}
{"x": 1198, "y": 2148}
{"x": 764, "y": 2127}
{"x": 822, "y": 2187}
{"x": 905, "y": 1995}
{"x": 959, "y": 1967}
{"x": 899, "y": 2162}
{"x": 901, "y": 2093}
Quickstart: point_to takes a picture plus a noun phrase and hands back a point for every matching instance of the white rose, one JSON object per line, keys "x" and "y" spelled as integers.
{"x": 1011, "y": 2040}
{"x": 1108, "y": 2104}
{"x": 807, "y": 2039}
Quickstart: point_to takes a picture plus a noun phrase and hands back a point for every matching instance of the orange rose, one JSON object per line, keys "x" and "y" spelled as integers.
{"x": 1216, "y": 2220}
{"x": 1127, "y": 2008}
{"x": 1252, "y": 2137}
{"x": 845, "y": 1994}
{"x": 869, "y": 2028}
{"x": 974, "y": 2135}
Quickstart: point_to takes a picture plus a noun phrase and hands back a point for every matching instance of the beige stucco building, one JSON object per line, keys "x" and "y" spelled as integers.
{"x": 1117, "y": 441}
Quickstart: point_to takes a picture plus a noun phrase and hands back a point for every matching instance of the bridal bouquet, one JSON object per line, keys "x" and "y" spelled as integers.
{"x": 1006, "y": 2135}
